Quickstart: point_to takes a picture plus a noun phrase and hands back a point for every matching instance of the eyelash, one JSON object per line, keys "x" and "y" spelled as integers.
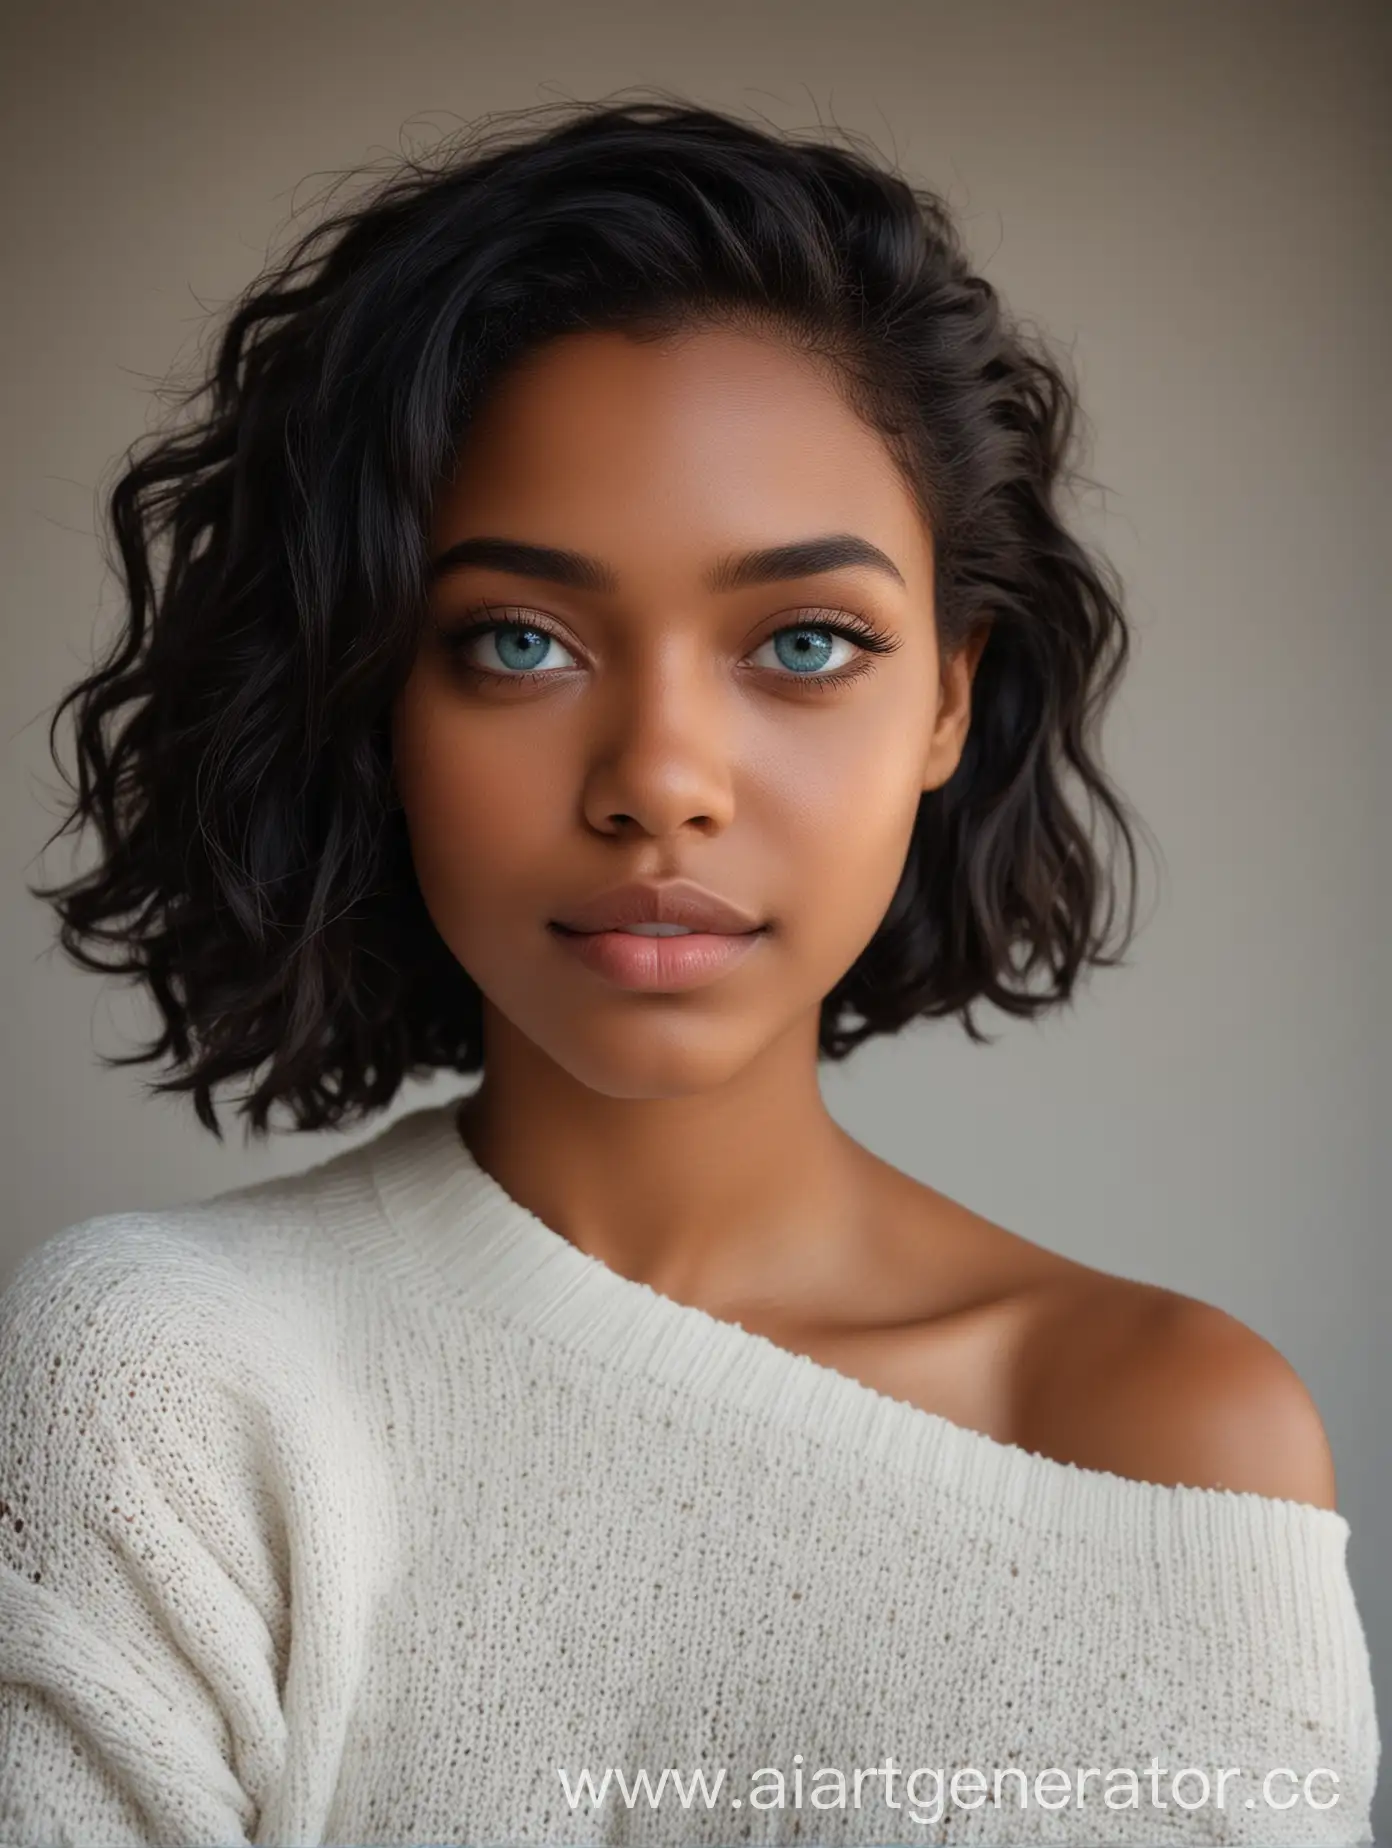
{"x": 870, "y": 639}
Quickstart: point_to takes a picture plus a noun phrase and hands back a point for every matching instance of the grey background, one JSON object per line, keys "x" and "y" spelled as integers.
{"x": 1192, "y": 199}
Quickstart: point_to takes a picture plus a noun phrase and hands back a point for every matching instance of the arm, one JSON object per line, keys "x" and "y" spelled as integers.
{"x": 141, "y": 1612}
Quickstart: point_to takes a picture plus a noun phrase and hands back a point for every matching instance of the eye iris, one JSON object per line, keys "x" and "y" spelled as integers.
{"x": 518, "y": 647}
{"x": 803, "y": 649}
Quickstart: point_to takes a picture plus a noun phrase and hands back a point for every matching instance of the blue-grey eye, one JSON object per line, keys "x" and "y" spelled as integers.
{"x": 807, "y": 651}
{"x": 519, "y": 647}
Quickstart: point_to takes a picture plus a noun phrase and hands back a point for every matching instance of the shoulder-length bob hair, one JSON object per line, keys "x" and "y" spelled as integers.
{"x": 232, "y": 747}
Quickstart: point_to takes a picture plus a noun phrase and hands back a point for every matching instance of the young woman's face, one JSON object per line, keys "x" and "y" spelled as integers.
{"x": 658, "y": 713}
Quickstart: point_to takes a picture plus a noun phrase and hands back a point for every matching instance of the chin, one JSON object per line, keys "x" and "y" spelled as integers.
{"x": 652, "y": 1059}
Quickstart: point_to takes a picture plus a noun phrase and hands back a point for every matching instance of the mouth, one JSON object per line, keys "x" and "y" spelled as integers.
{"x": 659, "y": 957}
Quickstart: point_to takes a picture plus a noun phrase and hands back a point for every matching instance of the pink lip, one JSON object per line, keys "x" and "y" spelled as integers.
{"x": 673, "y": 901}
{"x": 661, "y": 963}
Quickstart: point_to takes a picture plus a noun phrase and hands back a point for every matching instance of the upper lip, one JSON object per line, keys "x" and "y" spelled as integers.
{"x": 675, "y": 901}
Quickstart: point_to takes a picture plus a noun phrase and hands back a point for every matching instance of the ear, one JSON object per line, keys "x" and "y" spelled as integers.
{"x": 956, "y": 673}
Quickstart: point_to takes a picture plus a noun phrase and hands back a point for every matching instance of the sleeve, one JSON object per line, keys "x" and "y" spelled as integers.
{"x": 143, "y": 1610}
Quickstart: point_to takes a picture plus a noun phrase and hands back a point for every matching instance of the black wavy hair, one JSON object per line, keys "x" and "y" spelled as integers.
{"x": 232, "y": 746}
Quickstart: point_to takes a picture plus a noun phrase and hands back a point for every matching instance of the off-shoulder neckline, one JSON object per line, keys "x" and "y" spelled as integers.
{"x": 459, "y": 1239}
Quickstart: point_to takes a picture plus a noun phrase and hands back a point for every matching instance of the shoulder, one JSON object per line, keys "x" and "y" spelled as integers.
{"x": 128, "y": 1315}
{"x": 109, "y": 1274}
{"x": 120, "y": 1272}
{"x": 141, "y": 1364}
{"x": 260, "y": 1257}
{"x": 1151, "y": 1384}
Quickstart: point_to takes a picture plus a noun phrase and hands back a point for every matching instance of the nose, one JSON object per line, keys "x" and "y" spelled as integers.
{"x": 660, "y": 761}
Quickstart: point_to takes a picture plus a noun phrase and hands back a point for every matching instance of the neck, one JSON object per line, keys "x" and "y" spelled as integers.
{"x": 747, "y": 1192}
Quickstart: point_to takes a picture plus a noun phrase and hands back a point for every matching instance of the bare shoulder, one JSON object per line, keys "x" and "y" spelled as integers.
{"x": 1151, "y": 1384}
{"x": 1085, "y": 1367}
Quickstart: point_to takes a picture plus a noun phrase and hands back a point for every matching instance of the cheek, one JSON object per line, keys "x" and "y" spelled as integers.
{"x": 844, "y": 814}
{"x": 481, "y": 813}
{"x": 836, "y": 818}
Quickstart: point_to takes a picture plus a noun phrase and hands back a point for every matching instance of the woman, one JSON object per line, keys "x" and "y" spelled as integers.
{"x": 617, "y": 637}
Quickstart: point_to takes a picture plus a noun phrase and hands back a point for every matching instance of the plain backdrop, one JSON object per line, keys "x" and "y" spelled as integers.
{"x": 1191, "y": 200}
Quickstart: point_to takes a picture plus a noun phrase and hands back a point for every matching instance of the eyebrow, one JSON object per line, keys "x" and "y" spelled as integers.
{"x": 771, "y": 564}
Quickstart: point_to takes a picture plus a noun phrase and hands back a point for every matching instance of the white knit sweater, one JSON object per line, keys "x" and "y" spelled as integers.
{"x": 358, "y": 1507}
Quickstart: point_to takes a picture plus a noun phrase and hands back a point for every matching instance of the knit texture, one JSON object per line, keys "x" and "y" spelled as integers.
{"x": 355, "y": 1507}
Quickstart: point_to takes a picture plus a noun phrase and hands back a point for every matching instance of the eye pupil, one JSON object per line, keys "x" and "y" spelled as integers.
{"x": 804, "y": 649}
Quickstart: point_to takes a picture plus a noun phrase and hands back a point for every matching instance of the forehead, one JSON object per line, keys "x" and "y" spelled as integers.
{"x": 717, "y": 437}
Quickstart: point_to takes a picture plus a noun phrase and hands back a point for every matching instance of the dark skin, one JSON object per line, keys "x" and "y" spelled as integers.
{"x": 681, "y": 1137}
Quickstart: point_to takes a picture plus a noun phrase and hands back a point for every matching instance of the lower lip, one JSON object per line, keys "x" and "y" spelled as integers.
{"x": 658, "y": 962}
